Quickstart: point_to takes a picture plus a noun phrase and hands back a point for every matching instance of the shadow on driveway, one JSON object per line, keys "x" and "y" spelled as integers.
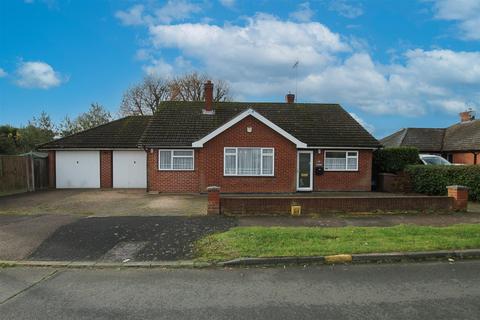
{"x": 133, "y": 238}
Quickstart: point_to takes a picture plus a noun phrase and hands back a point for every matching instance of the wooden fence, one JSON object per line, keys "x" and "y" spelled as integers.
{"x": 22, "y": 173}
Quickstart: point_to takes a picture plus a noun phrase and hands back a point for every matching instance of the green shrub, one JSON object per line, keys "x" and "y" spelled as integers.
{"x": 433, "y": 180}
{"x": 393, "y": 160}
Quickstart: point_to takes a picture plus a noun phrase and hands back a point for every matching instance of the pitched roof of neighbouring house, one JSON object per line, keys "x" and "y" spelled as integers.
{"x": 464, "y": 136}
{"x": 179, "y": 124}
{"x": 121, "y": 133}
{"x": 425, "y": 139}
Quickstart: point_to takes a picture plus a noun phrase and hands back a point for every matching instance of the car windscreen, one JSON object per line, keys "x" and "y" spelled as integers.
{"x": 435, "y": 160}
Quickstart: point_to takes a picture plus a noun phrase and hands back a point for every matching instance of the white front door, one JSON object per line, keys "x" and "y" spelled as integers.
{"x": 77, "y": 169}
{"x": 129, "y": 169}
{"x": 305, "y": 170}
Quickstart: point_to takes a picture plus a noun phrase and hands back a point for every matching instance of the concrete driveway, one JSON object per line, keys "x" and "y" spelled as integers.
{"x": 103, "y": 203}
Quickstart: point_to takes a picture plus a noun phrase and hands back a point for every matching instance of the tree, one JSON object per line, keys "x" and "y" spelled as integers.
{"x": 95, "y": 116}
{"x": 8, "y": 139}
{"x": 67, "y": 127}
{"x": 189, "y": 87}
{"x": 145, "y": 97}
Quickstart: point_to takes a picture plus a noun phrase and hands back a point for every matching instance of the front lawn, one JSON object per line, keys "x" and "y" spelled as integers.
{"x": 313, "y": 241}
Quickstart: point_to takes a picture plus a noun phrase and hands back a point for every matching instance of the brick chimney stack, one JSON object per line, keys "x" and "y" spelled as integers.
{"x": 208, "y": 87}
{"x": 290, "y": 98}
{"x": 468, "y": 115}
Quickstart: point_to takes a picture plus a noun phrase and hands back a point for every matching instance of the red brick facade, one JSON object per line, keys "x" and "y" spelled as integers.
{"x": 171, "y": 181}
{"x": 106, "y": 169}
{"x": 360, "y": 180}
{"x": 465, "y": 158}
{"x": 209, "y": 166}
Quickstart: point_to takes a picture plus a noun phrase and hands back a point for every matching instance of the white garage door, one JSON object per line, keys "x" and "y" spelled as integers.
{"x": 129, "y": 169}
{"x": 77, "y": 169}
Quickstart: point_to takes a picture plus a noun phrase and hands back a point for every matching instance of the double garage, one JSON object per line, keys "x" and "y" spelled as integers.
{"x": 81, "y": 169}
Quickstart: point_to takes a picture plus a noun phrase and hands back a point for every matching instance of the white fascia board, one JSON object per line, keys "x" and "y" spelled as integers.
{"x": 240, "y": 117}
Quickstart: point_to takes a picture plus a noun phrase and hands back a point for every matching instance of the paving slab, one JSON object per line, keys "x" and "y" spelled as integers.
{"x": 21, "y": 235}
{"x": 15, "y": 280}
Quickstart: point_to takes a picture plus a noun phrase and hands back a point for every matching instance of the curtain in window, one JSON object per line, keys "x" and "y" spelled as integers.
{"x": 249, "y": 161}
{"x": 165, "y": 159}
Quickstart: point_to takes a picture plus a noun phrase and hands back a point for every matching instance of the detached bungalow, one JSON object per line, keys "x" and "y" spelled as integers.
{"x": 240, "y": 147}
{"x": 459, "y": 143}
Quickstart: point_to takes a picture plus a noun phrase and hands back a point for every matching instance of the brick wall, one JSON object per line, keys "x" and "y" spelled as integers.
{"x": 345, "y": 180}
{"x": 284, "y": 179}
{"x": 464, "y": 157}
{"x": 209, "y": 166}
{"x": 106, "y": 169}
{"x": 52, "y": 182}
{"x": 171, "y": 181}
{"x": 318, "y": 205}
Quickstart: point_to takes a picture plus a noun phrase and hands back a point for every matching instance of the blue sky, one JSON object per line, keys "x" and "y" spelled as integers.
{"x": 392, "y": 64}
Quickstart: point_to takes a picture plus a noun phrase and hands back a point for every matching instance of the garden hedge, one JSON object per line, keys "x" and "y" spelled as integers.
{"x": 433, "y": 180}
{"x": 394, "y": 160}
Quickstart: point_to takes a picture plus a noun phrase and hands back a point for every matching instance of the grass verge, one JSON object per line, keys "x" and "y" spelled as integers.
{"x": 312, "y": 241}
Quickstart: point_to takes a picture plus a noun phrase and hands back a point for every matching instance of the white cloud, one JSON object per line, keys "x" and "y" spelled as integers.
{"x": 149, "y": 14}
{"x": 346, "y": 9}
{"x": 264, "y": 46}
{"x": 256, "y": 57}
{"x": 176, "y": 10}
{"x": 131, "y": 17}
{"x": 159, "y": 68}
{"x": 465, "y": 12}
{"x": 303, "y": 13}
{"x": 3, "y": 73}
{"x": 228, "y": 3}
{"x": 37, "y": 74}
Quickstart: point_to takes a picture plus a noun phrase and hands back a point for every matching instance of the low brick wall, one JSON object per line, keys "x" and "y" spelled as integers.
{"x": 317, "y": 205}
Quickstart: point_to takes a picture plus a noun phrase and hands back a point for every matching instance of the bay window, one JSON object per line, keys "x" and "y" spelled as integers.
{"x": 175, "y": 160}
{"x": 341, "y": 160}
{"x": 248, "y": 162}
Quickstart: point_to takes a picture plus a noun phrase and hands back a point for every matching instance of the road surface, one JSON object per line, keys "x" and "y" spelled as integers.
{"x": 439, "y": 290}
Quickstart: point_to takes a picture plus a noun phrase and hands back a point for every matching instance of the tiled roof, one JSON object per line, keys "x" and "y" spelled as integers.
{"x": 121, "y": 133}
{"x": 464, "y": 136}
{"x": 179, "y": 124}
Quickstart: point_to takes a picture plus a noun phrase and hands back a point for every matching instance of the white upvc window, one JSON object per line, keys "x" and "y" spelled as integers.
{"x": 341, "y": 160}
{"x": 176, "y": 160}
{"x": 248, "y": 161}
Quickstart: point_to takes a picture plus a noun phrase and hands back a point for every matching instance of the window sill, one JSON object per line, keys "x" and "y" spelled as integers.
{"x": 247, "y": 176}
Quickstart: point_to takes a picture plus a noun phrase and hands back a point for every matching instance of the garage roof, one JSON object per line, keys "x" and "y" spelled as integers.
{"x": 119, "y": 134}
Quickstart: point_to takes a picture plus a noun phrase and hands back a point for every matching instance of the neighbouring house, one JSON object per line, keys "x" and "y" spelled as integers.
{"x": 459, "y": 143}
{"x": 241, "y": 147}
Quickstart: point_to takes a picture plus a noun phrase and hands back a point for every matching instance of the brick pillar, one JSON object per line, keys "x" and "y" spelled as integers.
{"x": 51, "y": 170}
{"x": 106, "y": 169}
{"x": 213, "y": 200}
{"x": 460, "y": 197}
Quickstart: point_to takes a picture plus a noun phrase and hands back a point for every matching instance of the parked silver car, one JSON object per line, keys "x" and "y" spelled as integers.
{"x": 432, "y": 159}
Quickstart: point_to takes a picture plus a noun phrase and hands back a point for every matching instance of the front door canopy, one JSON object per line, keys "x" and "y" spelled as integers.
{"x": 240, "y": 117}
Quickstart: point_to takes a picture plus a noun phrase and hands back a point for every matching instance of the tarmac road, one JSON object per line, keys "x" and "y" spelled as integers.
{"x": 437, "y": 290}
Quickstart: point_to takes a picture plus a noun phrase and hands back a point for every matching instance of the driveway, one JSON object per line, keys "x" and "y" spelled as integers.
{"x": 133, "y": 238}
{"x": 103, "y": 203}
